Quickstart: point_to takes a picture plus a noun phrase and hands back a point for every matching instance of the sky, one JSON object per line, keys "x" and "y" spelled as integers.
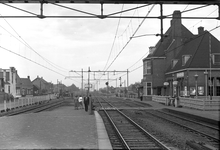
{"x": 57, "y": 49}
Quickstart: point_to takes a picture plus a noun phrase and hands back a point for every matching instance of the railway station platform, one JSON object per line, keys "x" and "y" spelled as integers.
{"x": 215, "y": 115}
{"x": 61, "y": 128}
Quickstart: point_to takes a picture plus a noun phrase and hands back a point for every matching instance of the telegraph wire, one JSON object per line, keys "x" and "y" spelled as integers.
{"x": 201, "y": 19}
{"x": 33, "y": 61}
{"x": 27, "y": 45}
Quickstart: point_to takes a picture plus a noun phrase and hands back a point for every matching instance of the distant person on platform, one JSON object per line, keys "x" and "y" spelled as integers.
{"x": 80, "y": 100}
{"x": 92, "y": 100}
{"x": 76, "y": 102}
{"x": 141, "y": 97}
{"x": 86, "y": 103}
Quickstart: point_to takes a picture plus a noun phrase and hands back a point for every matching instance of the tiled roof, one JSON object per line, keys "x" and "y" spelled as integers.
{"x": 168, "y": 41}
{"x": 24, "y": 83}
{"x": 41, "y": 79}
{"x": 199, "y": 50}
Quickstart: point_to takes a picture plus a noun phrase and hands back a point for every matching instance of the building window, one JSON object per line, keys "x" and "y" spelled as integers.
{"x": 216, "y": 59}
{"x": 218, "y": 86}
{"x": 7, "y": 76}
{"x": 173, "y": 62}
{"x": 147, "y": 67}
{"x": 148, "y": 88}
{"x": 185, "y": 58}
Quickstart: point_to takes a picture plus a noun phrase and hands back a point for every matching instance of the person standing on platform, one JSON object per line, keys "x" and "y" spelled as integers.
{"x": 90, "y": 104}
{"x": 86, "y": 103}
{"x": 80, "y": 100}
{"x": 76, "y": 102}
{"x": 83, "y": 105}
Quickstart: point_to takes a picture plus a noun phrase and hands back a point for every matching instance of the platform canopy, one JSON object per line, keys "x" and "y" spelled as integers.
{"x": 117, "y": 1}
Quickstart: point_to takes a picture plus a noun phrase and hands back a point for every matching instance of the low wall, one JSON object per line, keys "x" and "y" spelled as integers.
{"x": 160, "y": 99}
{"x": 147, "y": 97}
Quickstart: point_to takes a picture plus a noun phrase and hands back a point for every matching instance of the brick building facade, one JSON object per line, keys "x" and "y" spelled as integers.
{"x": 183, "y": 64}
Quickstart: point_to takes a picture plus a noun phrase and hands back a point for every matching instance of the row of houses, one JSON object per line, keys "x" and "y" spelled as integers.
{"x": 13, "y": 84}
{"x": 183, "y": 64}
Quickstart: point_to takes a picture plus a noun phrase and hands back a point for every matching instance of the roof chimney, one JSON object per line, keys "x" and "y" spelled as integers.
{"x": 176, "y": 24}
{"x": 28, "y": 77}
{"x": 200, "y": 30}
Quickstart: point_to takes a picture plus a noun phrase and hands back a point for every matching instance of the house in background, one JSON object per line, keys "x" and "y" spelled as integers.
{"x": 183, "y": 64}
{"x": 24, "y": 87}
{"x": 8, "y": 80}
{"x": 41, "y": 86}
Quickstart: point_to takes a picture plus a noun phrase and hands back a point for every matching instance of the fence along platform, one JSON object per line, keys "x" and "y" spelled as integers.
{"x": 23, "y": 101}
{"x": 195, "y": 103}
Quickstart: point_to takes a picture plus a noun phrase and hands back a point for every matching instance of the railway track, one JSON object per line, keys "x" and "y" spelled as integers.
{"x": 120, "y": 103}
{"x": 129, "y": 134}
{"x": 34, "y": 108}
{"x": 193, "y": 121}
{"x": 214, "y": 139}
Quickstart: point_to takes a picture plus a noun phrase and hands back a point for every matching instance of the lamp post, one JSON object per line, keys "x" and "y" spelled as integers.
{"x": 90, "y": 101}
{"x": 165, "y": 85}
{"x": 196, "y": 77}
{"x": 175, "y": 93}
{"x": 206, "y": 91}
{"x": 120, "y": 87}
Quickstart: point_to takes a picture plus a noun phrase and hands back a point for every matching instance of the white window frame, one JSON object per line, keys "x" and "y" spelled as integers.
{"x": 185, "y": 58}
{"x": 213, "y": 58}
{"x": 174, "y": 62}
{"x": 146, "y": 67}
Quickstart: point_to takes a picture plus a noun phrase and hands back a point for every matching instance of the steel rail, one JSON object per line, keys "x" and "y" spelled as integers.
{"x": 115, "y": 127}
{"x": 156, "y": 141}
{"x": 189, "y": 128}
{"x": 199, "y": 123}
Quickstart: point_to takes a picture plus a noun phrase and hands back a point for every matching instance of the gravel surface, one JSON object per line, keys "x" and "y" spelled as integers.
{"x": 172, "y": 135}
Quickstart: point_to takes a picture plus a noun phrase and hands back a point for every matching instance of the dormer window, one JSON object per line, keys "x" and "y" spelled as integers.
{"x": 185, "y": 58}
{"x": 174, "y": 62}
{"x": 216, "y": 59}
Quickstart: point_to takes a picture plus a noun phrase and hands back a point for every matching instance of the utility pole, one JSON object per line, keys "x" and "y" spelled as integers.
{"x": 210, "y": 64}
{"x": 127, "y": 82}
{"x": 120, "y": 87}
{"x": 90, "y": 101}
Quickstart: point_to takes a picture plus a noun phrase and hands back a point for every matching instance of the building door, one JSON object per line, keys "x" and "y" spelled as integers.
{"x": 148, "y": 88}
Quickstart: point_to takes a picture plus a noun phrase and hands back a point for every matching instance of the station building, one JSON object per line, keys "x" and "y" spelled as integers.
{"x": 183, "y": 64}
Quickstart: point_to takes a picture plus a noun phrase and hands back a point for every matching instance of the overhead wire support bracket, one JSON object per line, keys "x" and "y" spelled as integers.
{"x": 34, "y": 15}
{"x": 218, "y": 12}
{"x": 41, "y": 16}
{"x": 161, "y": 22}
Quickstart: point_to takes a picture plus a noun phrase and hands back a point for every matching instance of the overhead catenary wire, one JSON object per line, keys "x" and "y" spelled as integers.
{"x": 114, "y": 38}
{"x": 129, "y": 39}
{"x": 177, "y": 47}
{"x": 27, "y": 45}
{"x": 155, "y": 34}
